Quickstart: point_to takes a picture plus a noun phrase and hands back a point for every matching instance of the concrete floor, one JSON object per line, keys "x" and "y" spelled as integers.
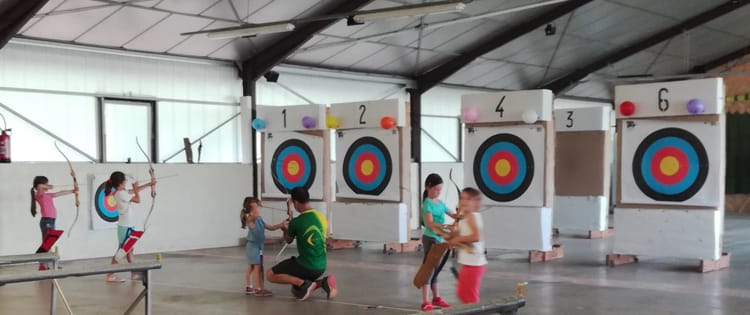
{"x": 211, "y": 282}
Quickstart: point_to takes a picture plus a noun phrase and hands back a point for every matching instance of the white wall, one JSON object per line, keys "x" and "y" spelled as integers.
{"x": 198, "y": 208}
{"x": 56, "y": 84}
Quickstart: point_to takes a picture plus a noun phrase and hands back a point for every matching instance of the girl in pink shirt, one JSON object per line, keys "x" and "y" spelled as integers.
{"x": 40, "y": 194}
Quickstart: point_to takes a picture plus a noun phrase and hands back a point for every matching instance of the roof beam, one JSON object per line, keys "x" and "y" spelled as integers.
{"x": 708, "y": 66}
{"x": 433, "y": 77}
{"x": 16, "y": 13}
{"x": 263, "y": 61}
{"x": 572, "y": 78}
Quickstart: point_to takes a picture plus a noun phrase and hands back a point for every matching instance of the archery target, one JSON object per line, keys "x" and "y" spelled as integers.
{"x": 105, "y": 204}
{"x": 671, "y": 163}
{"x": 367, "y": 163}
{"x": 507, "y": 164}
{"x": 294, "y": 160}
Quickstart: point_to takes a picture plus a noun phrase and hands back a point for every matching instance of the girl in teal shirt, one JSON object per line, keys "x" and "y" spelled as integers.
{"x": 433, "y": 217}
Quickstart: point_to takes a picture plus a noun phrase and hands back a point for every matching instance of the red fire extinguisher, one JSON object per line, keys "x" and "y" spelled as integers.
{"x": 5, "y": 142}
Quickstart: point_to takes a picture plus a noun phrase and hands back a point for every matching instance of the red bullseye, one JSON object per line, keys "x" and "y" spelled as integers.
{"x": 669, "y": 165}
{"x": 366, "y": 167}
{"x": 292, "y": 167}
{"x": 503, "y": 167}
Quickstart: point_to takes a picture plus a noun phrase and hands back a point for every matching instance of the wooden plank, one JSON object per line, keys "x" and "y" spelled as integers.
{"x": 708, "y": 265}
{"x": 594, "y": 234}
{"x": 21, "y": 259}
{"x": 544, "y": 256}
{"x": 507, "y": 305}
{"x": 75, "y": 271}
{"x": 618, "y": 259}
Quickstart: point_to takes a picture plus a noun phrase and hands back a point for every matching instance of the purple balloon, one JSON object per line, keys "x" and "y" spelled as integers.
{"x": 695, "y": 106}
{"x": 308, "y": 122}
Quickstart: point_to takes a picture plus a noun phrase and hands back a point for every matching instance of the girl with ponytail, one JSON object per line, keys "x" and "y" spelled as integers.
{"x": 125, "y": 223}
{"x": 433, "y": 218}
{"x": 40, "y": 194}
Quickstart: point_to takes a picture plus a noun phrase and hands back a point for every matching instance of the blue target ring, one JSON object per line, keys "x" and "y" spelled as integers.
{"x": 293, "y": 165}
{"x": 671, "y": 164}
{"x": 367, "y": 166}
{"x": 503, "y": 167}
{"x": 105, "y": 205}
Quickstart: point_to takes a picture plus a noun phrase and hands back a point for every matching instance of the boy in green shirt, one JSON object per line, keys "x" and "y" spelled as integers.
{"x": 309, "y": 229}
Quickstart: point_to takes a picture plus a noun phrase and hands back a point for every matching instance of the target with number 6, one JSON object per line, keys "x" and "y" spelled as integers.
{"x": 670, "y": 162}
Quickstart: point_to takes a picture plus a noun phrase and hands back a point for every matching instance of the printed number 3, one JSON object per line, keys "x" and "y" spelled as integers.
{"x": 570, "y": 119}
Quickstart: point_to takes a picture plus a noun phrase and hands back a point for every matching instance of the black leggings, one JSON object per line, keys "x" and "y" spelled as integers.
{"x": 427, "y": 243}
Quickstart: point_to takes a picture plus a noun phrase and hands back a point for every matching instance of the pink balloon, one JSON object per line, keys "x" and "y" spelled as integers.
{"x": 470, "y": 114}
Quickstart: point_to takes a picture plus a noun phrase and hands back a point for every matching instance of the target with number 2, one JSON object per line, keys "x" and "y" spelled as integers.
{"x": 367, "y": 164}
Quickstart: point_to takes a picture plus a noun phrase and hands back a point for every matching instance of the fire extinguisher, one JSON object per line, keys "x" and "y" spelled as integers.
{"x": 5, "y": 142}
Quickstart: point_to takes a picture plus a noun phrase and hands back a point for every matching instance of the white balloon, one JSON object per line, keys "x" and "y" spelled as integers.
{"x": 529, "y": 116}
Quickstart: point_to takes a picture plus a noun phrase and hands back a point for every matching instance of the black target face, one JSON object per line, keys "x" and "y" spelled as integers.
{"x": 367, "y": 166}
{"x": 293, "y": 165}
{"x": 671, "y": 164}
{"x": 503, "y": 167}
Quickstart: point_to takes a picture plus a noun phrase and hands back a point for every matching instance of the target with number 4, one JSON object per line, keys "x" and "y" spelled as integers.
{"x": 367, "y": 164}
{"x": 671, "y": 162}
{"x": 507, "y": 164}
{"x": 295, "y": 161}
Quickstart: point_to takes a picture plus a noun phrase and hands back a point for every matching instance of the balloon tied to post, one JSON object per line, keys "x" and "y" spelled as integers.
{"x": 258, "y": 124}
{"x": 387, "y": 122}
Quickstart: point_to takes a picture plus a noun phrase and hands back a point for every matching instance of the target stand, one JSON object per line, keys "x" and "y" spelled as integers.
{"x": 509, "y": 155}
{"x": 583, "y": 157}
{"x": 295, "y": 152}
{"x": 372, "y": 169}
{"x": 670, "y": 195}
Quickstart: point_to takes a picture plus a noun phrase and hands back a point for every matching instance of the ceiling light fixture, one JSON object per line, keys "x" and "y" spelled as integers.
{"x": 245, "y": 31}
{"x": 409, "y": 11}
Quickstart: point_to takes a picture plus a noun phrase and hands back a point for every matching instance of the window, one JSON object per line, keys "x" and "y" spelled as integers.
{"x": 122, "y": 122}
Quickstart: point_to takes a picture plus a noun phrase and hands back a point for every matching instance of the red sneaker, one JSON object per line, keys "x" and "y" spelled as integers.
{"x": 329, "y": 285}
{"x": 440, "y": 302}
{"x": 250, "y": 290}
{"x": 262, "y": 292}
{"x": 426, "y": 307}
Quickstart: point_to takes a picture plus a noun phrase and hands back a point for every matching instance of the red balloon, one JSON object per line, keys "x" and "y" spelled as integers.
{"x": 387, "y": 122}
{"x": 627, "y": 108}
